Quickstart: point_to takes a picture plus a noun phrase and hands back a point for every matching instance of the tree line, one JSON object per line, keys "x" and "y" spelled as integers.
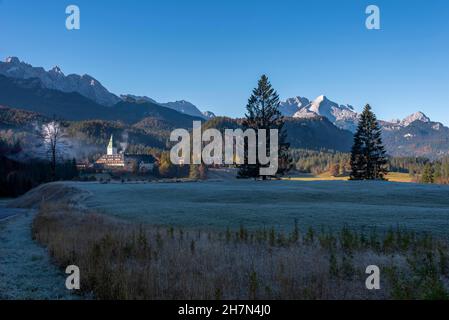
{"x": 422, "y": 170}
{"x": 367, "y": 160}
{"x": 318, "y": 162}
{"x": 16, "y": 178}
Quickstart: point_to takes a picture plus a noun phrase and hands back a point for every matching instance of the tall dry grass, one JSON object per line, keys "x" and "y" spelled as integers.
{"x": 120, "y": 260}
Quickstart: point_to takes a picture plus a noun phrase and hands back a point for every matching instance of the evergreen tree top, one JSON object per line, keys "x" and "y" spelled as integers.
{"x": 263, "y": 113}
{"x": 263, "y": 106}
{"x": 368, "y": 156}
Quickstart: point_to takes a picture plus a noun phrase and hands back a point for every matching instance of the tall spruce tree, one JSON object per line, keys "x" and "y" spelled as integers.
{"x": 368, "y": 160}
{"x": 428, "y": 175}
{"x": 263, "y": 113}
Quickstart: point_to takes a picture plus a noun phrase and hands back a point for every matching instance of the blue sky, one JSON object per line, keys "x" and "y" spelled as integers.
{"x": 213, "y": 52}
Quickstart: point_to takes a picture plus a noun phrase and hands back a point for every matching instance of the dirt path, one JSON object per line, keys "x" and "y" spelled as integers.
{"x": 25, "y": 269}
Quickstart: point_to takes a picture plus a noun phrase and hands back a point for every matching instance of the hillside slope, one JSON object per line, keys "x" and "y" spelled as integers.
{"x": 314, "y": 133}
{"x": 31, "y": 95}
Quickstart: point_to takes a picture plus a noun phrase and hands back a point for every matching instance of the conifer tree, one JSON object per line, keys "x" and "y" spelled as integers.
{"x": 428, "y": 175}
{"x": 368, "y": 159}
{"x": 263, "y": 113}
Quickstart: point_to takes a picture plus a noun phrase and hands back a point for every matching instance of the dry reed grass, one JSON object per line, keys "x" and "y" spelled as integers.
{"x": 120, "y": 260}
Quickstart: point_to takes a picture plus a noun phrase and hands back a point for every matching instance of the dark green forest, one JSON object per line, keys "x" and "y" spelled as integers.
{"x": 18, "y": 177}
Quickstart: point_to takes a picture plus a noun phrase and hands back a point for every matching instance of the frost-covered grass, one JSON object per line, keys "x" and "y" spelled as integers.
{"x": 26, "y": 271}
{"x": 232, "y": 239}
{"x": 120, "y": 260}
{"x": 256, "y": 204}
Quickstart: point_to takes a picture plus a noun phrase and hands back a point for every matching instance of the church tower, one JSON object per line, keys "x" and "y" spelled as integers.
{"x": 111, "y": 150}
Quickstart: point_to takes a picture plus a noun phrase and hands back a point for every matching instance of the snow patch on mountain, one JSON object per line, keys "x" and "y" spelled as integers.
{"x": 184, "y": 107}
{"x": 418, "y": 116}
{"x": 209, "y": 114}
{"x": 304, "y": 113}
{"x": 292, "y": 105}
{"x": 343, "y": 116}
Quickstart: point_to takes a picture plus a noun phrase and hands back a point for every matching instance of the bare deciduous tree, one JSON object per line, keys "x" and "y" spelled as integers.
{"x": 52, "y": 135}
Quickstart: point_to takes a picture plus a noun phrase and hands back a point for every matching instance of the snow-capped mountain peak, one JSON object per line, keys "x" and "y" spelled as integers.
{"x": 417, "y": 116}
{"x": 209, "y": 114}
{"x": 184, "y": 107}
{"x": 298, "y": 101}
{"x": 12, "y": 60}
{"x": 324, "y": 107}
{"x": 292, "y": 105}
{"x": 319, "y": 100}
{"x": 56, "y": 70}
{"x": 55, "y": 79}
{"x": 343, "y": 116}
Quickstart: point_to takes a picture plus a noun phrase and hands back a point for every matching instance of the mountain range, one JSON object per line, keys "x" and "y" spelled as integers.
{"x": 343, "y": 116}
{"x": 86, "y": 86}
{"x": 313, "y": 124}
{"x": 180, "y": 106}
{"x": 415, "y": 135}
{"x": 55, "y": 79}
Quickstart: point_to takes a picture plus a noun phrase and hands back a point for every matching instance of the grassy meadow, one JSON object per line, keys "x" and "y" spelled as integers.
{"x": 285, "y": 239}
{"x": 128, "y": 261}
{"x": 259, "y": 204}
{"x": 392, "y": 177}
